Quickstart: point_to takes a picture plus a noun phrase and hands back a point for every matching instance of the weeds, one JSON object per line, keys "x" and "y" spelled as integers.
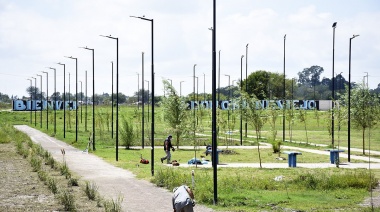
{"x": 67, "y": 200}
{"x": 52, "y": 185}
{"x": 113, "y": 205}
{"x": 65, "y": 171}
{"x": 42, "y": 175}
{"x": 73, "y": 182}
{"x": 91, "y": 190}
{"x": 36, "y": 163}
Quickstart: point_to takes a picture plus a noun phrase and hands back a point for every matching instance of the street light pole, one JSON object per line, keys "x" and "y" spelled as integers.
{"x": 333, "y": 90}
{"x": 148, "y": 98}
{"x": 40, "y": 75}
{"x": 93, "y": 95}
{"x": 246, "y": 84}
{"x": 152, "y": 132}
{"x": 35, "y": 104}
{"x": 64, "y": 99}
{"x": 76, "y": 96}
{"x": 138, "y": 91}
{"x": 228, "y": 107}
{"x": 81, "y": 104}
{"x": 55, "y": 101}
{"x": 283, "y": 104}
{"x": 47, "y": 99}
{"x": 30, "y": 100}
{"x": 117, "y": 94}
{"x": 112, "y": 99}
{"x": 241, "y": 99}
{"x": 349, "y": 101}
{"x": 86, "y": 100}
{"x": 142, "y": 100}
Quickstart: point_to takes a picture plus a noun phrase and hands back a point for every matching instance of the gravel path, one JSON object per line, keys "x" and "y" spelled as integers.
{"x": 139, "y": 195}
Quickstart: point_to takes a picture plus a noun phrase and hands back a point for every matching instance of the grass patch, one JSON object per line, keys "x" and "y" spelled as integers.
{"x": 67, "y": 200}
{"x": 91, "y": 190}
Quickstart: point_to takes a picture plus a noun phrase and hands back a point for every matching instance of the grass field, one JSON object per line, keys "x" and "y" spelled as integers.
{"x": 239, "y": 189}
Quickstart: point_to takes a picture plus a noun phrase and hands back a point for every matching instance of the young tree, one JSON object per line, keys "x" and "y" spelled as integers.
{"x": 127, "y": 134}
{"x": 364, "y": 109}
{"x": 175, "y": 112}
{"x": 255, "y": 116}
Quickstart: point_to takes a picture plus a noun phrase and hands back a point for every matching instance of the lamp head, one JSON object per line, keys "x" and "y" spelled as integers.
{"x": 354, "y": 36}
{"x": 334, "y": 25}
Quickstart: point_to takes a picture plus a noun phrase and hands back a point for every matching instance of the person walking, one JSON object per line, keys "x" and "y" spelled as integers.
{"x": 183, "y": 199}
{"x": 167, "y": 147}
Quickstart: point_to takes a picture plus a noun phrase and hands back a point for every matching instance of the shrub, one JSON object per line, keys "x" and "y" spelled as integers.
{"x": 73, "y": 182}
{"x": 65, "y": 171}
{"x": 127, "y": 134}
{"x": 113, "y": 205}
{"x": 52, "y": 185}
{"x": 91, "y": 190}
{"x": 42, "y": 175}
{"x": 36, "y": 163}
{"x": 67, "y": 200}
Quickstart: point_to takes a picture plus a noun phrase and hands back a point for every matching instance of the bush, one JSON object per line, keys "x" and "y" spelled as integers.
{"x": 127, "y": 134}
{"x": 42, "y": 175}
{"x": 73, "y": 182}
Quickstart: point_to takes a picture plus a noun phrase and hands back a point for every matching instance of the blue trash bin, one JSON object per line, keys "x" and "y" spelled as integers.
{"x": 209, "y": 151}
{"x": 292, "y": 158}
{"x": 334, "y": 155}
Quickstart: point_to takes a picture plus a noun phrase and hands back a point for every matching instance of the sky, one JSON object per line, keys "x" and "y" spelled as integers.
{"x": 38, "y": 34}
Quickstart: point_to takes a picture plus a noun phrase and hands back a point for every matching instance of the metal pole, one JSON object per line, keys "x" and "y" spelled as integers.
{"x": 214, "y": 135}
{"x": 30, "y": 101}
{"x": 246, "y": 84}
{"x": 47, "y": 99}
{"x": 93, "y": 95}
{"x": 64, "y": 99}
{"x": 349, "y": 101}
{"x": 86, "y": 99}
{"x": 112, "y": 101}
{"x": 241, "y": 98}
{"x": 333, "y": 90}
{"x": 143, "y": 92}
{"x": 81, "y": 99}
{"x": 41, "y": 100}
{"x": 148, "y": 98}
{"x": 138, "y": 92}
{"x": 35, "y": 105}
{"x": 284, "y": 102}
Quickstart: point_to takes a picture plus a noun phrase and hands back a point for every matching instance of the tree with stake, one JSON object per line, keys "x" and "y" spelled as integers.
{"x": 175, "y": 110}
{"x": 255, "y": 116}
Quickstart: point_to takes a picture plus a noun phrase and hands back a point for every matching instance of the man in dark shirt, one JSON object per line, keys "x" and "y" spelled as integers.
{"x": 167, "y": 147}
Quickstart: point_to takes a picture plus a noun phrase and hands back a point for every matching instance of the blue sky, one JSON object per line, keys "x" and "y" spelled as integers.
{"x": 38, "y": 34}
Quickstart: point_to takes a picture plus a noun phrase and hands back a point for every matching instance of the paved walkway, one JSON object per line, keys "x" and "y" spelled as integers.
{"x": 139, "y": 195}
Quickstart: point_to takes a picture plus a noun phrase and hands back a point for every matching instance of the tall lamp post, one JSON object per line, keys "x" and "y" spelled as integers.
{"x": 35, "y": 104}
{"x": 76, "y": 96}
{"x": 64, "y": 99}
{"x": 93, "y": 95}
{"x": 86, "y": 100}
{"x": 138, "y": 88}
{"x": 283, "y": 103}
{"x": 55, "y": 101}
{"x": 112, "y": 99}
{"x": 333, "y": 86}
{"x": 30, "y": 100}
{"x": 148, "y": 98}
{"x": 194, "y": 122}
{"x": 241, "y": 99}
{"x": 117, "y": 94}
{"x": 213, "y": 128}
{"x": 228, "y": 108}
{"x": 40, "y": 75}
{"x": 152, "y": 132}
{"x": 81, "y": 100}
{"x": 246, "y": 84}
{"x": 47, "y": 99}
{"x": 349, "y": 101}
{"x": 142, "y": 99}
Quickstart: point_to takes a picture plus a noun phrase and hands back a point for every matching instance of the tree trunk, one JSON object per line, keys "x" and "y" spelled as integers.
{"x": 258, "y": 147}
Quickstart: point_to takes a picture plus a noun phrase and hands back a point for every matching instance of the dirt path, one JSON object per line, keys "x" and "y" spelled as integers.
{"x": 139, "y": 195}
